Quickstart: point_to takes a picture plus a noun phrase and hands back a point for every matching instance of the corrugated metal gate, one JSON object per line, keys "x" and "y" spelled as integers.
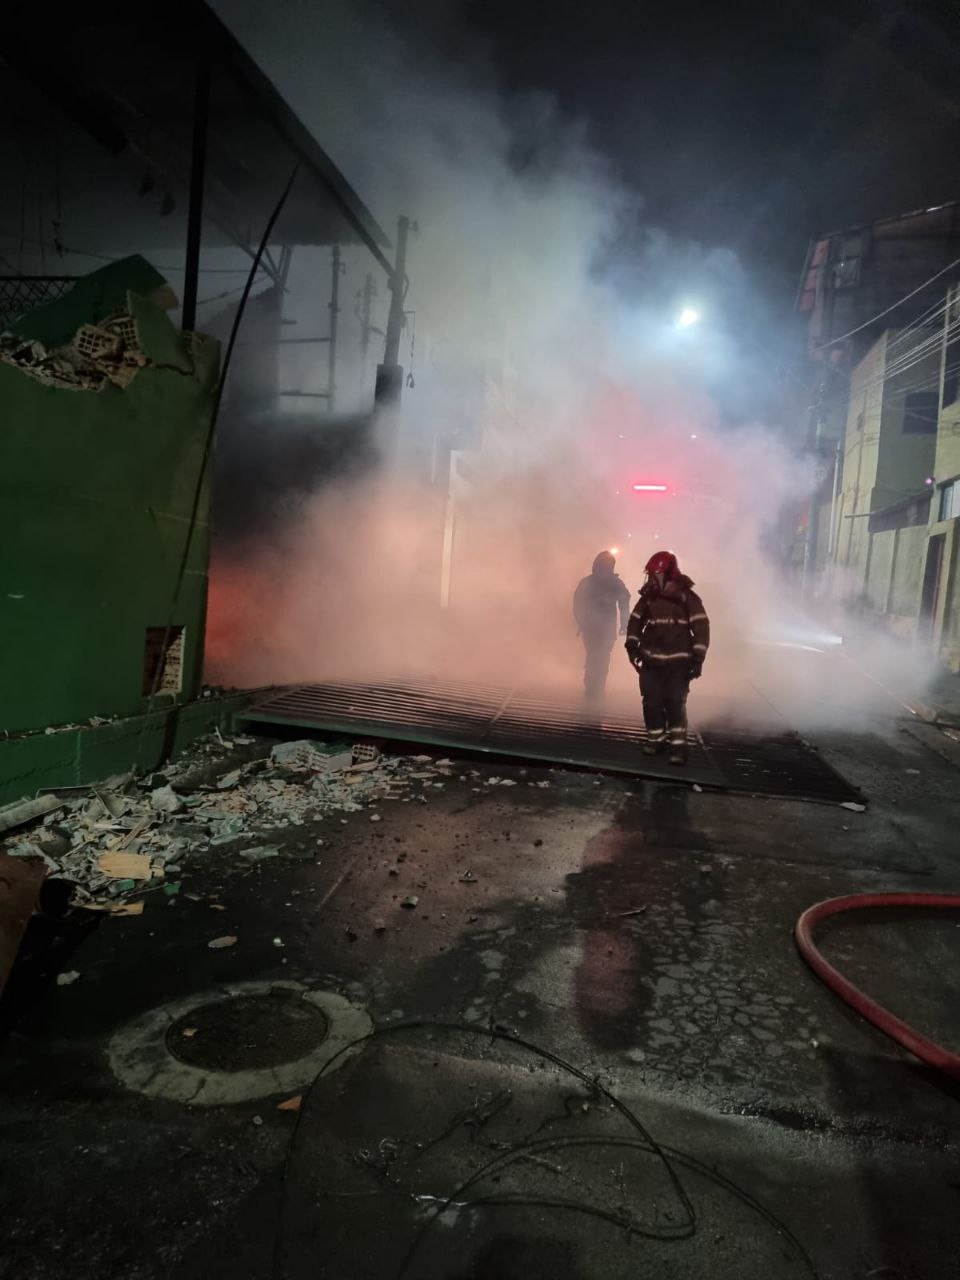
{"x": 518, "y": 722}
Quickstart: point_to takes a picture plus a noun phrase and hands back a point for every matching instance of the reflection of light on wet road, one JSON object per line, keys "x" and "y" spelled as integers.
{"x": 787, "y": 644}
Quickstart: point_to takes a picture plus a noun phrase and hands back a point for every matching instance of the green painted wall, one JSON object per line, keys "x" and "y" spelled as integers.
{"x": 95, "y": 494}
{"x": 76, "y": 757}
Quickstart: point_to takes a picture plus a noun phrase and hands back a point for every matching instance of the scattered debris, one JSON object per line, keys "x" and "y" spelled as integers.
{"x": 125, "y": 837}
{"x": 304, "y": 756}
{"x": 468, "y": 878}
{"x": 67, "y": 978}
{"x": 125, "y": 866}
{"x": 165, "y": 800}
{"x": 218, "y": 944}
{"x": 291, "y": 1104}
{"x": 189, "y": 1032}
{"x": 278, "y": 942}
{"x": 697, "y": 786}
{"x": 634, "y": 911}
{"x": 853, "y": 806}
{"x": 410, "y": 902}
{"x": 259, "y": 852}
{"x": 258, "y": 1120}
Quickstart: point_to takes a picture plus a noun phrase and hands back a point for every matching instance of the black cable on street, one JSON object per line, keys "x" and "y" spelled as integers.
{"x": 668, "y": 1156}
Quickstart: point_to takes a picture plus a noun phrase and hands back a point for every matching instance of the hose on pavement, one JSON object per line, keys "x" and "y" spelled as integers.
{"x": 932, "y": 1054}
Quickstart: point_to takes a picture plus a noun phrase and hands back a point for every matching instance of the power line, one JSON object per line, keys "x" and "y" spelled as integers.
{"x": 924, "y": 320}
{"x": 902, "y": 364}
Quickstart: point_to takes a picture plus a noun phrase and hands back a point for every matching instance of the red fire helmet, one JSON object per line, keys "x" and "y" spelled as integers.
{"x": 664, "y": 562}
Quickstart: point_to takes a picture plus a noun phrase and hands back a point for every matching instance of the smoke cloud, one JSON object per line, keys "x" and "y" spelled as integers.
{"x": 550, "y": 376}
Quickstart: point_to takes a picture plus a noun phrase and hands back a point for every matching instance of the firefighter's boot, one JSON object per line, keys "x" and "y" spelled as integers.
{"x": 654, "y": 742}
{"x": 678, "y": 746}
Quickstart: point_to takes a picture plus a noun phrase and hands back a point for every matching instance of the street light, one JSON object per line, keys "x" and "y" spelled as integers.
{"x": 688, "y": 317}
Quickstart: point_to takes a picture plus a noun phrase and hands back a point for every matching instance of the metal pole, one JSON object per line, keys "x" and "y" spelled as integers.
{"x": 398, "y": 287}
{"x": 365, "y": 314}
{"x": 831, "y": 536}
{"x": 389, "y": 373}
{"x": 336, "y": 271}
{"x": 198, "y": 165}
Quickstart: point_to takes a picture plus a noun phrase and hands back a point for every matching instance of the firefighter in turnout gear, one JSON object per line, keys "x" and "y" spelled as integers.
{"x": 596, "y": 602}
{"x": 667, "y": 640}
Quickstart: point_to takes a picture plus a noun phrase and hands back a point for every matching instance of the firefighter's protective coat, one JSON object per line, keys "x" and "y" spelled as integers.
{"x": 668, "y": 626}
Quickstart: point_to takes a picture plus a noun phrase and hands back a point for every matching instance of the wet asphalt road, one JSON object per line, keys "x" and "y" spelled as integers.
{"x": 640, "y": 932}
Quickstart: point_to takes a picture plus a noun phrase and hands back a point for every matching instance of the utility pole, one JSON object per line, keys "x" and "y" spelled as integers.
{"x": 389, "y": 373}
{"x": 366, "y": 308}
{"x": 336, "y": 267}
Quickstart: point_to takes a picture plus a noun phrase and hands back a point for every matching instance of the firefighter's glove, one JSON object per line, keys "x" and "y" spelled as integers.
{"x": 696, "y": 668}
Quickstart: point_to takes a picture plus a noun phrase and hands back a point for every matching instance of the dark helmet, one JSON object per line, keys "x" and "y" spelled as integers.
{"x": 665, "y": 563}
{"x": 605, "y": 562}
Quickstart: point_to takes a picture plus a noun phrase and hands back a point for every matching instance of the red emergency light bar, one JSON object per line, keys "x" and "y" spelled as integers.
{"x": 649, "y": 488}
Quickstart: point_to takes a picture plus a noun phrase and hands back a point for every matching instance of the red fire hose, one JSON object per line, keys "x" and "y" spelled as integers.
{"x": 898, "y": 1030}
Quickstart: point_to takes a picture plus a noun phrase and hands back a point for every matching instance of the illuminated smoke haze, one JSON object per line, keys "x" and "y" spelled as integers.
{"x": 577, "y": 388}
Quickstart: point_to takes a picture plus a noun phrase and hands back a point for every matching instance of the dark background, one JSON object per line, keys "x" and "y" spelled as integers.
{"x": 741, "y": 125}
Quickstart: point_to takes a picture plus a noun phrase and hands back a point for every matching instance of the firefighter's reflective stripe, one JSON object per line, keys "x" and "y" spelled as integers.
{"x": 665, "y": 657}
{"x": 697, "y": 617}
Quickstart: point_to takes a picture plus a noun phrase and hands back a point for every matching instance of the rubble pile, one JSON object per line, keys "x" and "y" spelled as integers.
{"x": 126, "y": 839}
{"x": 98, "y": 354}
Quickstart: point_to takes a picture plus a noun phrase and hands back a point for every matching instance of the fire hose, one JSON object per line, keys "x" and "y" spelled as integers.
{"x": 932, "y": 1054}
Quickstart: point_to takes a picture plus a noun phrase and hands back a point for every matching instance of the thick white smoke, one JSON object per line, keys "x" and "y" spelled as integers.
{"x": 574, "y": 391}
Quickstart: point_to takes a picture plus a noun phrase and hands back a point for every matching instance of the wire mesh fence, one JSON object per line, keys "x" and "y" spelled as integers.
{"x": 20, "y": 294}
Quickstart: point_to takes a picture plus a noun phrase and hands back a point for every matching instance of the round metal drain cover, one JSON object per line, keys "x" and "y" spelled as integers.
{"x": 246, "y": 1033}
{"x": 240, "y": 1041}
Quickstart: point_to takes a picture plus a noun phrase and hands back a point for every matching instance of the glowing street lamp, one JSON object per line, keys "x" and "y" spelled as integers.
{"x": 688, "y": 317}
{"x": 649, "y": 488}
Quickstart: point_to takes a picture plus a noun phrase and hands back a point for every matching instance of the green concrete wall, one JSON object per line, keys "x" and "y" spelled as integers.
{"x": 95, "y": 493}
{"x": 76, "y": 757}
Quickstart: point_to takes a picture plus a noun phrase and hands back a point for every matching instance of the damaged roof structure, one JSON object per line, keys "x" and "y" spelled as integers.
{"x": 165, "y": 136}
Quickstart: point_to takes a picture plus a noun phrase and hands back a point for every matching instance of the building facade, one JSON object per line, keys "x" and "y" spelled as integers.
{"x": 894, "y": 520}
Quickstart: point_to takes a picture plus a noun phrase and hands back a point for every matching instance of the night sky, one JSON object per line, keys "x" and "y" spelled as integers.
{"x": 742, "y": 125}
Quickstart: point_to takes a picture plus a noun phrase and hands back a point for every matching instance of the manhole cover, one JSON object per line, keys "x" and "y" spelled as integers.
{"x": 246, "y": 1033}
{"x": 238, "y": 1041}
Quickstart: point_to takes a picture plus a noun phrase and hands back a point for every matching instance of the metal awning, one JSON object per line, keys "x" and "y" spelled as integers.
{"x": 107, "y": 97}
{"x": 540, "y": 726}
